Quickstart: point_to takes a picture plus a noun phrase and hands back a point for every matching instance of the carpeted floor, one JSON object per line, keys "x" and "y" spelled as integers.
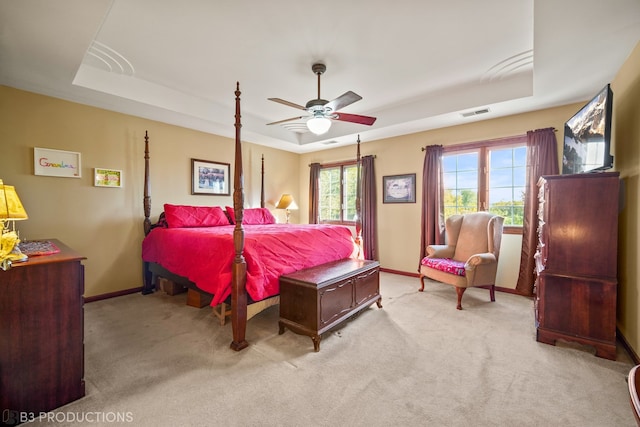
{"x": 153, "y": 361}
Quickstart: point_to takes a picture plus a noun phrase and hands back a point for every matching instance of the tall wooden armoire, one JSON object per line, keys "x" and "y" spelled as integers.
{"x": 576, "y": 261}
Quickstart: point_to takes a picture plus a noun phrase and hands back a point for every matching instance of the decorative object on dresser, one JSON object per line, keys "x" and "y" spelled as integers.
{"x": 42, "y": 333}
{"x": 316, "y": 299}
{"x": 576, "y": 261}
{"x": 470, "y": 257}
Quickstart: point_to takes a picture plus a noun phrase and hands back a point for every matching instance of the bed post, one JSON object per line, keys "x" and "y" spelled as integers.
{"x": 239, "y": 270}
{"x": 147, "y": 276}
{"x": 262, "y": 184}
{"x": 358, "y": 210}
{"x": 147, "y": 200}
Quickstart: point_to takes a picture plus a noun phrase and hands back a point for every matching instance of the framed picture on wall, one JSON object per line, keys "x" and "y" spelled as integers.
{"x": 209, "y": 177}
{"x": 399, "y": 188}
{"x": 107, "y": 177}
{"x": 49, "y": 162}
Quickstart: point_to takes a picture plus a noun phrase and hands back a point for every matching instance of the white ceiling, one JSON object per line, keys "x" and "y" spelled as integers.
{"x": 417, "y": 64}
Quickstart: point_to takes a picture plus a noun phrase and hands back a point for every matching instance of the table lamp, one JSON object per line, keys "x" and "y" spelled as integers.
{"x": 286, "y": 202}
{"x": 11, "y": 210}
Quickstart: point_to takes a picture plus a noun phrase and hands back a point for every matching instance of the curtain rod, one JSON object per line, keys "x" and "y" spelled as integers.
{"x": 489, "y": 140}
{"x": 343, "y": 161}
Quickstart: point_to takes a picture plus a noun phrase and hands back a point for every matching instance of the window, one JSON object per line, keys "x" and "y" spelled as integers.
{"x": 337, "y": 193}
{"x": 490, "y": 176}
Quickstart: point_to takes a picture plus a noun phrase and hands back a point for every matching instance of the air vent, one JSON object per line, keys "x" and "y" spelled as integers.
{"x": 296, "y": 127}
{"x": 332, "y": 141}
{"x": 475, "y": 113}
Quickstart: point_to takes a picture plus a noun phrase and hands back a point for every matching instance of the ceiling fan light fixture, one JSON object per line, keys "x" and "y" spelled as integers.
{"x": 319, "y": 125}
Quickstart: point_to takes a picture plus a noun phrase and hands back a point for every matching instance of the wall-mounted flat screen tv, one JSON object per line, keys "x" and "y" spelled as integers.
{"x": 587, "y": 136}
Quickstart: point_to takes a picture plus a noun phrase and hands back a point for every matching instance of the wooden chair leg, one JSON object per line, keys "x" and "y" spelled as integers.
{"x": 492, "y": 292}
{"x": 460, "y": 291}
{"x": 421, "y": 284}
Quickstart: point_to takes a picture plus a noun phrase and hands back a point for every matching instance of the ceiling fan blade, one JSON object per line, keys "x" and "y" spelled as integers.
{"x": 343, "y": 100}
{"x": 286, "y": 120}
{"x": 354, "y": 118}
{"x": 290, "y": 104}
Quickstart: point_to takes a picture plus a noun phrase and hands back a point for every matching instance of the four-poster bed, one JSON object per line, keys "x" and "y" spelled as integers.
{"x": 242, "y": 260}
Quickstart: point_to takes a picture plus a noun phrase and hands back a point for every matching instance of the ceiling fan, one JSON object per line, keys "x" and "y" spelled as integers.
{"x": 323, "y": 111}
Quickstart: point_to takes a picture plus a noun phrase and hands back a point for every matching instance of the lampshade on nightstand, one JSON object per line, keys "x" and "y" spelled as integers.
{"x": 286, "y": 202}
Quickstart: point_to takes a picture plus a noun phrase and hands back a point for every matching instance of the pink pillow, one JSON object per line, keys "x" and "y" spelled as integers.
{"x": 252, "y": 216}
{"x": 180, "y": 216}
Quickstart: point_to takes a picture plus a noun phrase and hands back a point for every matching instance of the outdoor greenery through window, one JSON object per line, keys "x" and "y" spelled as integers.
{"x": 489, "y": 177}
{"x": 337, "y": 193}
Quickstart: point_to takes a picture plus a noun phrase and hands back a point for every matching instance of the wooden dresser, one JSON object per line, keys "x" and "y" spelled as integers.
{"x": 316, "y": 299}
{"x": 576, "y": 261}
{"x": 41, "y": 334}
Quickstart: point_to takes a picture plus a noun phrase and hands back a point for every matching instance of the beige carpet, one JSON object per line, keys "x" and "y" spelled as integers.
{"x": 152, "y": 361}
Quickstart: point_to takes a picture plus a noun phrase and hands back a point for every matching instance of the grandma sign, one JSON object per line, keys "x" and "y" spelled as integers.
{"x": 56, "y": 163}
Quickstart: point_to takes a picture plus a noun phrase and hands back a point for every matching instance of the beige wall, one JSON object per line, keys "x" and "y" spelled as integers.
{"x": 626, "y": 137}
{"x": 399, "y": 224}
{"x": 105, "y": 224}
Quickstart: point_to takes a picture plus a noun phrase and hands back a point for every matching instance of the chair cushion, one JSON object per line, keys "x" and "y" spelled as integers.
{"x": 444, "y": 264}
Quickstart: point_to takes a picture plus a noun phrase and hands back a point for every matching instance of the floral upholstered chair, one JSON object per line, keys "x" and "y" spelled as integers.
{"x": 470, "y": 257}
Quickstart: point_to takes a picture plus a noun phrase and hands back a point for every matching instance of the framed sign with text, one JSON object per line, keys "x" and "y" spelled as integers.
{"x": 49, "y": 162}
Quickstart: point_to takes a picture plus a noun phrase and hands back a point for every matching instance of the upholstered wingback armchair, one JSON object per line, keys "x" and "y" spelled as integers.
{"x": 470, "y": 257}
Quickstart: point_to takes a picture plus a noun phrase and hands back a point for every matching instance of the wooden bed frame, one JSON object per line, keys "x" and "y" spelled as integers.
{"x": 240, "y": 311}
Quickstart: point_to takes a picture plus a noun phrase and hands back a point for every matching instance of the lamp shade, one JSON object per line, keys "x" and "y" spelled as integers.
{"x": 286, "y": 202}
{"x": 319, "y": 125}
{"x": 10, "y": 205}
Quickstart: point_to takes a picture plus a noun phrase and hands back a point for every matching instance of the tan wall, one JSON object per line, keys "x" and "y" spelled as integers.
{"x": 105, "y": 224}
{"x": 626, "y": 137}
{"x": 399, "y": 224}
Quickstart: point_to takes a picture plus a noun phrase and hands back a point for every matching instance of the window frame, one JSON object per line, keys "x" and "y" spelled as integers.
{"x": 483, "y": 148}
{"x": 341, "y": 165}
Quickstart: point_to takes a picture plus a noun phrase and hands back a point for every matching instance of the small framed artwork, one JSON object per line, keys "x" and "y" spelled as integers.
{"x": 107, "y": 177}
{"x": 399, "y": 188}
{"x": 209, "y": 177}
{"x": 49, "y": 162}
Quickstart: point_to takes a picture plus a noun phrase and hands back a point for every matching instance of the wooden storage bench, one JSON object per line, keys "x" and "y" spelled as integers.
{"x": 316, "y": 299}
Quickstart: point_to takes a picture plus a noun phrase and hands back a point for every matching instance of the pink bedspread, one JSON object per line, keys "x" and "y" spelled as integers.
{"x": 205, "y": 255}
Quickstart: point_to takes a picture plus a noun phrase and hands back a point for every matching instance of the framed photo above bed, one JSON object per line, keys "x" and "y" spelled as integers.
{"x": 399, "y": 188}
{"x": 209, "y": 177}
